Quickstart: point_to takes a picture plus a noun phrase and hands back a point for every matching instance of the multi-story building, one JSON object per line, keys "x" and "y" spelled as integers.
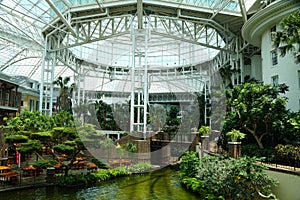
{"x": 10, "y": 98}
{"x": 30, "y": 92}
{"x": 270, "y": 67}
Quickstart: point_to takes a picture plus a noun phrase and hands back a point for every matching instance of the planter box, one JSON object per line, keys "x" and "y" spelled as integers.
{"x": 204, "y": 144}
{"x": 235, "y": 149}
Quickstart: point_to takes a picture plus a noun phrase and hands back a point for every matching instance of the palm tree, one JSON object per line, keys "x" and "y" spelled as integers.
{"x": 63, "y": 100}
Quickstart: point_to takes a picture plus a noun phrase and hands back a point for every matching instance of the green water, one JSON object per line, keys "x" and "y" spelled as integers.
{"x": 161, "y": 184}
{"x": 289, "y": 185}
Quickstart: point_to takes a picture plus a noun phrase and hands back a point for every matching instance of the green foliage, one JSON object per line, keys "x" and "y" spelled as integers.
{"x": 131, "y": 147}
{"x": 228, "y": 178}
{"x": 105, "y": 116}
{"x": 204, "y": 130}
{"x": 100, "y": 175}
{"x": 30, "y": 147}
{"x": 70, "y": 143}
{"x": 43, "y": 164}
{"x": 288, "y": 154}
{"x": 90, "y": 136}
{"x": 295, "y": 122}
{"x": 235, "y": 135}
{"x": 139, "y": 167}
{"x": 287, "y": 38}
{"x": 42, "y": 136}
{"x": 76, "y": 179}
{"x": 10, "y": 139}
{"x": 63, "y": 119}
{"x": 30, "y": 121}
{"x": 62, "y": 134}
{"x": 62, "y": 148}
{"x": 157, "y": 117}
{"x": 100, "y": 164}
{"x": 66, "y": 89}
{"x": 172, "y": 119}
{"x": 252, "y": 150}
{"x": 259, "y": 108}
{"x": 189, "y": 164}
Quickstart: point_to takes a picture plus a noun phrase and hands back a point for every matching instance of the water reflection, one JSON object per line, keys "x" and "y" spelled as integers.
{"x": 161, "y": 184}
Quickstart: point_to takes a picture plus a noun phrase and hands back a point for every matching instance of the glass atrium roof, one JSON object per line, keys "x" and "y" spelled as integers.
{"x": 24, "y": 24}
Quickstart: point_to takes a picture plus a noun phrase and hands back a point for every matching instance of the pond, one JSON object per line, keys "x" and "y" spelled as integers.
{"x": 160, "y": 184}
{"x": 289, "y": 185}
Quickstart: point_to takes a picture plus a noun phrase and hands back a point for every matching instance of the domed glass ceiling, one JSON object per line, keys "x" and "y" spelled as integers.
{"x": 23, "y": 23}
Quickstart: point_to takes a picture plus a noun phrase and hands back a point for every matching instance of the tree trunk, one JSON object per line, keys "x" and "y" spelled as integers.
{"x": 260, "y": 145}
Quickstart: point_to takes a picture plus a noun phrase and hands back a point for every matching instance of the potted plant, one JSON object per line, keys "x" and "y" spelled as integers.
{"x": 204, "y": 131}
{"x": 234, "y": 145}
{"x": 235, "y": 135}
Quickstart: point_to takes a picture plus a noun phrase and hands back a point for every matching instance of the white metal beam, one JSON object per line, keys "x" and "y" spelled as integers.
{"x": 63, "y": 19}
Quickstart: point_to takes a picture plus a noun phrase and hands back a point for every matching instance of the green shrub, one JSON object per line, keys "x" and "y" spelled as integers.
{"x": 100, "y": 175}
{"x": 189, "y": 164}
{"x": 30, "y": 147}
{"x": 10, "y": 139}
{"x": 100, "y": 164}
{"x": 226, "y": 178}
{"x": 139, "y": 167}
{"x": 288, "y": 154}
{"x": 43, "y": 163}
{"x": 252, "y": 150}
{"x": 75, "y": 179}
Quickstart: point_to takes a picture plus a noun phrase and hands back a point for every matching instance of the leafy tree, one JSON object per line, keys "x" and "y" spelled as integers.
{"x": 105, "y": 116}
{"x": 295, "y": 122}
{"x": 32, "y": 146}
{"x": 172, "y": 119}
{"x": 30, "y": 121}
{"x": 288, "y": 39}
{"x": 63, "y": 119}
{"x": 258, "y": 108}
{"x": 11, "y": 139}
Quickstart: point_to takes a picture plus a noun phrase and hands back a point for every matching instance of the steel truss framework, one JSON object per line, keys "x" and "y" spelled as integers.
{"x": 200, "y": 22}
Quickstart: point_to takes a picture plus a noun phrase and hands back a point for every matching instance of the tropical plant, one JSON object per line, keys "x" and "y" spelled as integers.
{"x": 43, "y": 164}
{"x": 172, "y": 119}
{"x": 235, "y": 135}
{"x": 105, "y": 116}
{"x": 131, "y": 147}
{"x": 288, "y": 154}
{"x": 288, "y": 38}
{"x": 226, "y": 178}
{"x": 204, "y": 130}
{"x": 65, "y": 93}
{"x": 30, "y": 121}
{"x": 189, "y": 164}
{"x": 258, "y": 108}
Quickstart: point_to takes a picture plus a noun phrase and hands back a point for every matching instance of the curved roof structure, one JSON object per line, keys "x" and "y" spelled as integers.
{"x": 99, "y": 32}
{"x": 126, "y": 47}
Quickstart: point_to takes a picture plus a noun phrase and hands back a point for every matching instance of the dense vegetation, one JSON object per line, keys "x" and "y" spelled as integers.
{"x": 76, "y": 179}
{"x": 226, "y": 178}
